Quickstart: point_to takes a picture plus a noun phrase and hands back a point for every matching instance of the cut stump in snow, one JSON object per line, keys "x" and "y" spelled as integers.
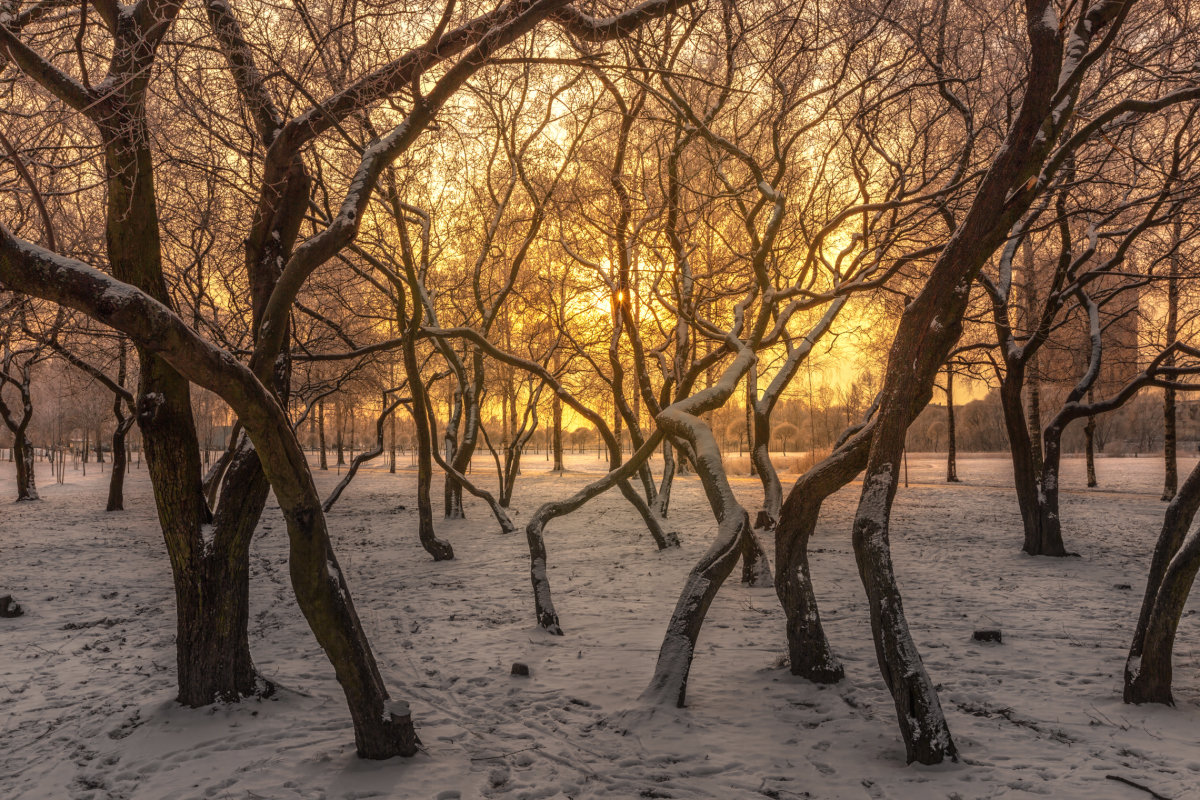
{"x": 988, "y": 635}
{"x": 9, "y": 607}
{"x": 520, "y": 669}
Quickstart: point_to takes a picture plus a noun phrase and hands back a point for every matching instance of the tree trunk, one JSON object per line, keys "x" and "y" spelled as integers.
{"x": 1172, "y": 571}
{"x": 340, "y": 421}
{"x": 439, "y": 549}
{"x": 951, "y": 437}
{"x": 809, "y": 651}
{"x": 756, "y": 570}
{"x": 392, "y": 445}
{"x": 324, "y": 462}
{"x": 1171, "y": 465}
{"x": 662, "y": 499}
{"x": 1089, "y": 445}
{"x": 556, "y": 414}
{"x": 1027, "y": 464}
{"x": 669, "y": 683}
{"x": 26, "y": 480}
{"x": 1030, "y": 371}
{"x": 116, "y": 481}
{"x": 1050, "y": 542}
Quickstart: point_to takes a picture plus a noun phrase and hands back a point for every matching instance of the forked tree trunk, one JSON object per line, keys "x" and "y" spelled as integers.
{"x": 669, "y": 683}
{"x": 1027, "y": 465}
{"x": 1172, "y": 572}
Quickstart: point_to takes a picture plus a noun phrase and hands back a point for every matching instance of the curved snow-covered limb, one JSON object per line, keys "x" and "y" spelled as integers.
{"x": 506, "y": 523}
{"x": 547, "y": 617}
{"x": 809, "y": 651}
{"x": 382, "y": 728}
{"x": 1172, "y": 572}
{"x": 681, "y": 419}
{"x": 364, "y": 456}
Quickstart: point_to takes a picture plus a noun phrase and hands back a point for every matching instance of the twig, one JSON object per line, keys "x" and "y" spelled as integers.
{"x": 1128, "y": 782}
{"x": 504, "y": 755}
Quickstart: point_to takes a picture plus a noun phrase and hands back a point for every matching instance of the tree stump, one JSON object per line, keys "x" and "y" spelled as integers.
{"x": 988, "y": 635}
{"x": 9, "y": 607}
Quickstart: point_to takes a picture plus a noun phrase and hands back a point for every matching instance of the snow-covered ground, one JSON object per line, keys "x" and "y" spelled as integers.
{"x": 86, "y": 676}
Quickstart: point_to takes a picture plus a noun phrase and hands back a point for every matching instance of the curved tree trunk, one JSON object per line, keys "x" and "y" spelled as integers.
{"x": 438, "y": 548}
{"x": 809, "y": 651}
{"x": 116, "y": 481}
{"x": 1172, "y": 572}
{"x": 669, "y": 683}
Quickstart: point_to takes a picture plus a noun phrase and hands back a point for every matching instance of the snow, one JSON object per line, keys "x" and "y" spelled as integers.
{"x": 87, "y": 675}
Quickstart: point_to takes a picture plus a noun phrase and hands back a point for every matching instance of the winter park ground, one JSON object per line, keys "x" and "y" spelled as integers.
{"x": 86, "y": 676}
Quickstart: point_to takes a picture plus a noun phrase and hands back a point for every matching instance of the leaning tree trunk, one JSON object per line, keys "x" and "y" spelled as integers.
{"x": 809, "y": 652}
{"x": 1172, "y": 572}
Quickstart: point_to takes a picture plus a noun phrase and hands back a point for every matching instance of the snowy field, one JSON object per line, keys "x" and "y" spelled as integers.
{"x": 86, "y": 676}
